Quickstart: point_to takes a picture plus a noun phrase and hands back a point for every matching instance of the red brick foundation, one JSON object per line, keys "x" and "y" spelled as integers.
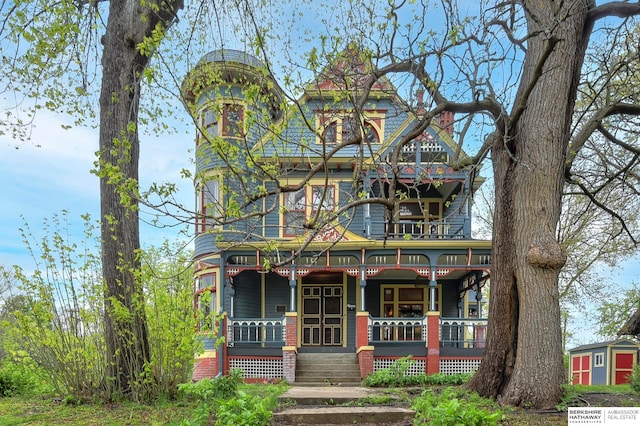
{"x": 206, "y": 367}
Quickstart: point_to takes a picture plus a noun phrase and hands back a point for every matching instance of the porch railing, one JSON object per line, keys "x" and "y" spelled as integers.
{"x": 463, "y": 332}
{"x": 441, "y": 229}
{"x": 256, "y": 331}
{"x": 397, "y": 329}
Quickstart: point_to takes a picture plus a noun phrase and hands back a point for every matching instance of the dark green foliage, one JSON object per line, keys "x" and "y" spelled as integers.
{"x": 455, "y": 407}
{"x": 397, "y": 375}
{"x": 16, "y": 380}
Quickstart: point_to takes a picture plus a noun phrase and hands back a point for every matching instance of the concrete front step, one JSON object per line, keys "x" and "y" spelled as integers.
{"x": 329, "y": 368}
{"x": 343, "y": 415}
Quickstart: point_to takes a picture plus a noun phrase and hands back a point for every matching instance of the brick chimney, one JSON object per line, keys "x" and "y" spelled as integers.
{"x": 420, "y": 102}
{"x": 445, "y": 120}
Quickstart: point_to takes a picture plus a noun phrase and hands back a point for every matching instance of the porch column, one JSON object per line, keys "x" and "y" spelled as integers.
{"x": 363, "y": 284}
{"x": 290, "y": 348}
{"x": 292, "y": 288}
{"x": 433, "y": 328}
{"x": 365, "y": 352}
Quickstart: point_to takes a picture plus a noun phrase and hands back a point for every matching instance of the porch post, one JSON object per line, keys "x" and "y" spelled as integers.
{"x": 433, "y": 328}
{"x": 290, "y": 348}
{"x": 363, "y": 284}
{"x": 292, "y": 288}
{"x": 365, "y": 352}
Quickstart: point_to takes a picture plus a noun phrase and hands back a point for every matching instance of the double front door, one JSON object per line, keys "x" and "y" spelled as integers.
{"x": 322, "y": 315}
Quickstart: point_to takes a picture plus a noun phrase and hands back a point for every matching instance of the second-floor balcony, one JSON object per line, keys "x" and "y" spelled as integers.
{"x": 412, "y": 229}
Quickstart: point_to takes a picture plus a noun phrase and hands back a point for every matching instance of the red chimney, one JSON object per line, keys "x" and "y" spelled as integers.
{"x": 445, "y": 119}
{"x": 420, "y": 102}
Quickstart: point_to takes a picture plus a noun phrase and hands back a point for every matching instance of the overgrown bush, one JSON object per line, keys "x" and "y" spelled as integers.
{"x": 56, "y": 314}
{"x": 397, "y": 375}
{"x": 455, "y": 407}
{"x": 634, "y": 379}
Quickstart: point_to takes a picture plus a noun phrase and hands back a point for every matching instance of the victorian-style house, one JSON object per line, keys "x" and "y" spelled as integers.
{"x": 375, "y": 282}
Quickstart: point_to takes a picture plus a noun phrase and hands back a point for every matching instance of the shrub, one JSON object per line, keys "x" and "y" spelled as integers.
{"x": 634, "y": 379}
{"x": 455, "y": 407}
{"x": 16, "y": 380}
{"x": 397, "y": 375}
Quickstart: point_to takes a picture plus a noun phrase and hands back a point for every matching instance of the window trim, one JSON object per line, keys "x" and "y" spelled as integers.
{"x": 598, "y": 359}
{"x": 396, "y": 298}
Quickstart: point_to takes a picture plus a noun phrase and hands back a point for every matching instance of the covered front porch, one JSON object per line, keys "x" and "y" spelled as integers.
{"x": 392, "y": 305}
{"x": 260, "y": 348}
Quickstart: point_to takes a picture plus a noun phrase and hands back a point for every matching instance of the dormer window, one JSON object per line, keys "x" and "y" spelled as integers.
{"x": 339, "y": 129}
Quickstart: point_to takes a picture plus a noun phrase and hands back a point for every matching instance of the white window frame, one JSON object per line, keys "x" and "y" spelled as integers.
{"x": 598, "y": 359}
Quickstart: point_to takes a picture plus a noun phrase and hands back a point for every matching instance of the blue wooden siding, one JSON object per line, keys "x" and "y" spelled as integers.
{"x": 277, "y": 292}
{"x": 247, "y": 295}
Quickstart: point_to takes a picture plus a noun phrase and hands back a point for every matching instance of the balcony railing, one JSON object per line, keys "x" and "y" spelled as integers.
{"x": 402, "y": 229}
{"x": 463, "y": 332}
{"x": 397, "y": 329}
{"x": 256, "y": 331}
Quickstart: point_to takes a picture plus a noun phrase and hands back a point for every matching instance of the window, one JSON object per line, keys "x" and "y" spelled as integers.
{"x": 233, "y": 121}
{"x": 349, "y": 129}
{"x": 294, "y": 212}
{"x": 371, "y": 133}
{"x": 206, "y": 304}
{"x": 598, "y": 360}
{"x": 322, "y": 198}
{"x": 407, "y": 301}
{"x": 339, "y": 130}
{"x": 418, "y": 217}
{"x": 207, "y": 205}
{"x": 210, "y": 122}
{"x": 231, "y": 125}
{"x": 330, "y": 133}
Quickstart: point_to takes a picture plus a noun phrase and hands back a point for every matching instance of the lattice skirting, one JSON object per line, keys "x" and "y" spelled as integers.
{"x": 459, "y": 366}
{"x": 258, "y": 367}
{"x": 418, "y": 366}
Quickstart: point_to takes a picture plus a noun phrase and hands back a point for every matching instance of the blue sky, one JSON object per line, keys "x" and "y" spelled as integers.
{"x": 52, "y": 173}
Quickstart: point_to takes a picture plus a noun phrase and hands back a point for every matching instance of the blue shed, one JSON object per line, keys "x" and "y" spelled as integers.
{"x": 604, "y": 363}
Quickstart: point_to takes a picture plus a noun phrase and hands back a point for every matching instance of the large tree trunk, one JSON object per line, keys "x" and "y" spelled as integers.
{"x": 523, "y": 359}
{"x": 125, "y": 320}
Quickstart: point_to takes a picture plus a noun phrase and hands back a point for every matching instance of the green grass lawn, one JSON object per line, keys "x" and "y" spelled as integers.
{"x": 40, "y": 410}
